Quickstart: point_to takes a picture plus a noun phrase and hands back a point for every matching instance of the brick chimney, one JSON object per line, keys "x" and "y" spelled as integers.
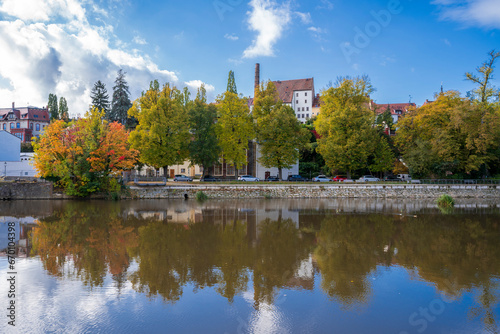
{"x": 257, "y": 80}
{"x": 13, "y": 105}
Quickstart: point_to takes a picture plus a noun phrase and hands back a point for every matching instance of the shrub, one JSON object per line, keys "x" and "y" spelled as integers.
{"x": 445, "y": 201}
{"x": 201, "y": 196}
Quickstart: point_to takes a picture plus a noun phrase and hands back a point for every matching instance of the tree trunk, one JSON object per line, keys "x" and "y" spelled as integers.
{"x": 165, "y": 172}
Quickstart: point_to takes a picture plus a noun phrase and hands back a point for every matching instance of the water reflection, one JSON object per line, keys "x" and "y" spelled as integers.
{"x": 256, "y": 250}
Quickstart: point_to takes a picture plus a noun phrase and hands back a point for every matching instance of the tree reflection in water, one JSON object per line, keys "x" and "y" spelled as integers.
{"x": 236, "y": 253}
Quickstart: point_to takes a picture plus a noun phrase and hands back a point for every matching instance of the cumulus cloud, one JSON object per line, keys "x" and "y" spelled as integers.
{"x": 483, "y": 13}
{"x": 269, "y": 19}
{"x": 195, "y": 84}
{"x": 49, "y": 46}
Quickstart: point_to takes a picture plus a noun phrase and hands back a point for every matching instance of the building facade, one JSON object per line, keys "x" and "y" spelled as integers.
{"x": 25, "y": 122}
{"x": 298, "y": 94}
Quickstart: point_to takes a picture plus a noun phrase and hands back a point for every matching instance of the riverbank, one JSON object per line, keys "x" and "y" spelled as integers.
{"x": 44, "y": 190}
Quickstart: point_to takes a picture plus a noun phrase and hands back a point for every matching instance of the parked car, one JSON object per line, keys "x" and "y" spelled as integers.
{"x": 339, "y": 178}
{"x": 296, "y": 178}
{"x": 272, "y": 179}
{"x": 208, "y": 178}
{"x": 348, "y": 181}
{"x": 391, "y": 178}
{"x": 248, "y": 178}
{"x": 368, "y": 178}
{"x": 321, "y": 178}
{"x": 404, "y": 177}
{"x": 184, "y": 178}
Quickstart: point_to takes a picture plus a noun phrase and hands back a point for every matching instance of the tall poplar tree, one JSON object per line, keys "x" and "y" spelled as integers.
{"x": 121, "y": 100}
{"x": 100, "y": 97}
{"x": 52, "y": 107}
{"x": 231, "y": 83}
{"x": 162, "y": 135}
{"x": 63, "y": 109}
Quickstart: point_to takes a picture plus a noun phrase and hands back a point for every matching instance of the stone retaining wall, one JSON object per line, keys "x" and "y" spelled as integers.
{"x": 22, "y": 190}
{"x": 319, "y": 191}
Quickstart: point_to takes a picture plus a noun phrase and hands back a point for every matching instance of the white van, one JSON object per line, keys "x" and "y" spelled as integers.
{"x": 404, "y": 177}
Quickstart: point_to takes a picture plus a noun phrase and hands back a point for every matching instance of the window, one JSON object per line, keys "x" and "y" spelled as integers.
{"x": 306, "y": 101}
{"x": 218, "y": 168}
{"x": 18, "y": 125}
{"x": 12, "y": 125}
{"x": 305, "y": 93}
{"x": 183, "y": 170}
{"x": 243, "y": 170}
{"x": 19, "y": 135}
{"x": 298, "y": 109}
{"x": 38, "y": 127}
{"x": 307, "y": 108}
{"x": 5, "y": 126}
{"x": 296, "y": 101}
{"x": 230, "y": 170}
{"x": 302, "y": 115}
{"x": 36, "y": 116}
{"x": 307, "y": 116}
{"x": 297, "y": 94}
{"x": 302, "y": 108}
{"x": 31, "y": 126}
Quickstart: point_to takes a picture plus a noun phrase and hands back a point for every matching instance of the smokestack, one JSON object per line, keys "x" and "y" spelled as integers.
{"x": 257, "y": 79}
{"x": 13, "y": 105}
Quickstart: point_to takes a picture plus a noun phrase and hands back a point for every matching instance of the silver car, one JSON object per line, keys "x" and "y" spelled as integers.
{"x": 321, "y": 178}
{"x": 182, "y": 178}
{"x": 248, "y": 178}
{"x": 368, "y": 178}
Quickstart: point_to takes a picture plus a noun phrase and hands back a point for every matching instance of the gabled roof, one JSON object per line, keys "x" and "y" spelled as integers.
{"x": 29, "y": 113}
{"x": 393, "y": 107}
{"x": 286, "y": 88}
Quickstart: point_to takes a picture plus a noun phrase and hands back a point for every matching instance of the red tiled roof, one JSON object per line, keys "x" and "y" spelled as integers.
{"x": 286, "y": 88}
{"x": 381, "y": 108}
{"x": 29, "y": 113}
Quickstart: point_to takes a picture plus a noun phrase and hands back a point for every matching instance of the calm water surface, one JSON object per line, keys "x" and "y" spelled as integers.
{"x": 263, "y": 266}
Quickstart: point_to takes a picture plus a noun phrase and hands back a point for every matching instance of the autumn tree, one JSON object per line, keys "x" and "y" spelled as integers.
{"x": 100, "y": 97}
{"x": 63, "y": 109}
{"x": 485, "y": 91}
{"x": 204, "y": 148}
{"x": 120, "y": 103}
{"x": 162, "y": 135}
{"x": 451, "y": 135}
{"x": 53, "y": 107}
{"x": 231, "y": 83}
{"x": 278, "y": 131}
{"x": 85, "y": 156}
{"x": 234, "y": 128}
{"x": 345, "y": 125}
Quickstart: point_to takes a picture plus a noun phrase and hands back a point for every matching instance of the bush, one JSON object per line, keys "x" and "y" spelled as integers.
{"x": 201, "y": 196}
{"x": 445, "y": 201}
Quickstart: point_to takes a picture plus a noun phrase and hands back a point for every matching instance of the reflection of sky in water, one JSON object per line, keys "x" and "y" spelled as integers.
{"x": 48, "y": 304}
{"x": 394, "y": 298}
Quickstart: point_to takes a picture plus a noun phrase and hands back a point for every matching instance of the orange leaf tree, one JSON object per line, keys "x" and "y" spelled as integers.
{"x": 84, "y": 156}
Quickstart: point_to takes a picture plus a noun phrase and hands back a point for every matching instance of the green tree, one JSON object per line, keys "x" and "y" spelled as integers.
{"x": 162, "y": 135}
{"x": 63, "y": 109}
{"x": 121, "y": 100}
{"x": 204, "y": 148}
{"x": 234, "y": 128}
{"x": 231, "y": 84}
{"x": 485, "y": 91}
{"x": 279, "y": 133}
{"x": 52, "y": 107}
{"x": 345, "y": 125}
{"x": 100, "y": 97}
{"x": 451, "y": 135}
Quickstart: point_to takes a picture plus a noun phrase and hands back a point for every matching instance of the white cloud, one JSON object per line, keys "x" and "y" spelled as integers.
{"x": 195, "y": 84}
{"x": 139, "y": 40}
{"x": 269, "y": 19}
{"x": 49, "y": 46}
{"x": 317, "y": 33}
{"x": 484, "y": 13}
{"x": 325, "y": 4}
{"x": 231, "y": 37}
{"x": 304, "y": 17}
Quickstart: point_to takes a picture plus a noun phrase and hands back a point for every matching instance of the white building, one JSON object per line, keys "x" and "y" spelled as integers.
{"x": 12, "y": 161}
{"x": 298, "y": 94}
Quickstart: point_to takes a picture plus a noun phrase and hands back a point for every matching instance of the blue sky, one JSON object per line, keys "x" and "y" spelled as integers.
{"x": 406, "y": 47}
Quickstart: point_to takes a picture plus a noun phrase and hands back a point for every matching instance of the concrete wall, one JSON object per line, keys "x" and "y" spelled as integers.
{"x": 320, "y": 191}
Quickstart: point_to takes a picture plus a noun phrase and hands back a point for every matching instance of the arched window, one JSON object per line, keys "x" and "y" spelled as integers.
{"x": 37, "y": 127}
